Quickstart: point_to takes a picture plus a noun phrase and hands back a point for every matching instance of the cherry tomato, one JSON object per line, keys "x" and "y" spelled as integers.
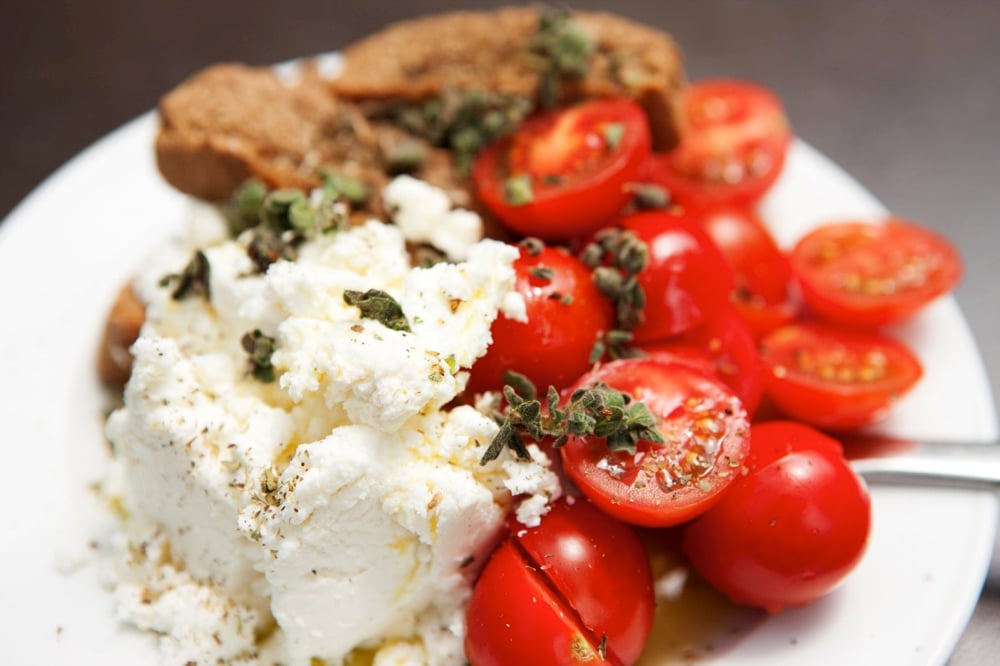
{"x": 791, "y": 529}
{"x": 762, "y": 274}
{"x": 576, "y": 589}
{"x": 730, "y": 349}
{"x": 833, "y": 378}
{"x": 869, "y": 274}
{"x": 733, "y": 146}
{"x": 762, "y": 318}
{"x": 760, "y": 269}
{"x": 686, "y": 280}
{"x": 706, "y": 432}
{"x": 566, "y": 316}
{"x": 564, "y": 173}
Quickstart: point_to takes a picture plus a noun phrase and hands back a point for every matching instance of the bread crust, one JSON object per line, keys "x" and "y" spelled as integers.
{"x": 121, "y": 329}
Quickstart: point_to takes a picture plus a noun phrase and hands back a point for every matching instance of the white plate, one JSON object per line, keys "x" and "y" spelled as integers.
{"x": 66, "y": 250}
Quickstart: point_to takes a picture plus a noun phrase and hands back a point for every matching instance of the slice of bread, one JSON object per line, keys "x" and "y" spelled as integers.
{"x": 229, "y": 122}
{"x": 490, "y": 50}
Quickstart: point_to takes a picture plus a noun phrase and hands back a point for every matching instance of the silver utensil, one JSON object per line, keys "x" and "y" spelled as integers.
{"x": 949, "y": 464}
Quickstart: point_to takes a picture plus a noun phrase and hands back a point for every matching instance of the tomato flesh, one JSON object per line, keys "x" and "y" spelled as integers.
{"x": 574, "y": 588}
{"x": 868, "y": 274}
{"x": 836, "y": 379}
{"x": 789, "y": 531}
{"x": 733, "y": 147}
{"x": 706, "y": 432}
{"x": 566, "y": 316}
{"x": 576, "y": 163}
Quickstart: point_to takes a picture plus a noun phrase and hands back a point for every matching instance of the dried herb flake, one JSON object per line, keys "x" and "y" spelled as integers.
{"x": 380, "y": 306}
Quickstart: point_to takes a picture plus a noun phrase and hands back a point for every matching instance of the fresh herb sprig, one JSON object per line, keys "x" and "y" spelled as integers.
{"x": 598, "y": 411}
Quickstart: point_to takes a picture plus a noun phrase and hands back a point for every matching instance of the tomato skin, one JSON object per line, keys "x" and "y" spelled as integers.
{"x": 762, "y": 274}
{"x": 686, "y": 280}
{"x": 508, "y": 592}
{"x": 762, "y": 318}
{"x": 566, "y": 316}
{"x": 618, "y": 598}
{"x": 550, "y": 593}
{"x": 789, "y": 531}
{"x": 706, "y": 432}
{"x": 567, "y": 145}
{"x": 728, "y": 347}
{"x": 761, "y": 271}
{"x": 774, "y": 440}
{"x": 733, "y": 146}
{"x": 833, "y": 378}
{"x": 867, "y": 275}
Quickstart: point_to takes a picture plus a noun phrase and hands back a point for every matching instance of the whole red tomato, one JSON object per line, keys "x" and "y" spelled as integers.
{"x": 576, "y": 589}
{"x": 566, "y": 317}
{"x": 791, "y": 529}
{"x": 686, "y": 279}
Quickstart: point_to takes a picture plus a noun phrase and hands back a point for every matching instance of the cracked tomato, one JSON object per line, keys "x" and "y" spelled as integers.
{"x": 576, "y": 589}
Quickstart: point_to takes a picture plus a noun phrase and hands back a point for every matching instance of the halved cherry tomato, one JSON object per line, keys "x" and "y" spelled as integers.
{"x": 566, "y": 316}
{"x": 869, "y": 274}
{"x": 760, "y": 269}
{"x": 576, "y": 589}
{"x": 733, "y": 146}
{"x": 791, "y": 529}
{"x": 706, "y": 432}
{"x": 564, "y": 173}
{"x": 836, "y": 379}
{"x": 726, "y": 343}
{"x": 762, "y": 275}
{"x": 762, "y": 318}
{"x": 686, "y": 280}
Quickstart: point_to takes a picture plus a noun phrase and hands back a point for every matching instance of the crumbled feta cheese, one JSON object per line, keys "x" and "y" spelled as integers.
{"x": 670, "y": 585}
{"x": 341, "y": 501}
{"x": 425, "y": 215}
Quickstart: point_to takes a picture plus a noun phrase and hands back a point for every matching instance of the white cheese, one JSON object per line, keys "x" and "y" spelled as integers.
{"x": 342, "y": 501}
{"x": 425, "y": 215}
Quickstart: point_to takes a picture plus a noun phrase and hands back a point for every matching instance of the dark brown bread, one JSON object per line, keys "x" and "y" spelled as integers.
{"x": 488, "y": 50}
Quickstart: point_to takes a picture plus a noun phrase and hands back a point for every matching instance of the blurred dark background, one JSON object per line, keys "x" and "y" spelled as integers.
{"x": 904, "y": 94}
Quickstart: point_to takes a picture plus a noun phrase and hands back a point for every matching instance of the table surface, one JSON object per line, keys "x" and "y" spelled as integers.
{"x": 902, "y": 93}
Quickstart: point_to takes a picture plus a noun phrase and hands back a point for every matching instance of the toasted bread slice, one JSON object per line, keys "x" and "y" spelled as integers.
{"x": 230, "y": 122}
{"x": 489, "y": 50}
{"x": 125, "y": 319}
